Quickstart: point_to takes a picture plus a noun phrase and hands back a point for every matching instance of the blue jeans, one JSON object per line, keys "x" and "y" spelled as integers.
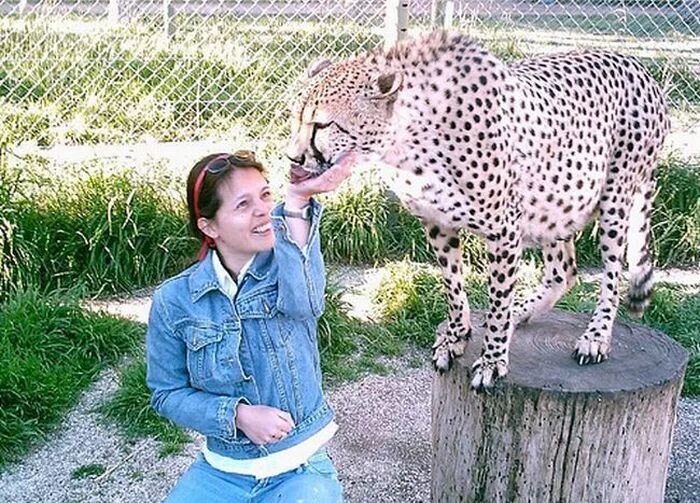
{"x": 314, "y": 482}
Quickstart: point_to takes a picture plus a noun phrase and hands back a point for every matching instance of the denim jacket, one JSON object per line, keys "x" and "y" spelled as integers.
{"x": 206, "y": 354}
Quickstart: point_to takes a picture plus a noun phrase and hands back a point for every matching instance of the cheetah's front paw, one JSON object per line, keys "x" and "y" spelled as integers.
{"x": 447, "y": 347}
{"x": 485, "y": 373}
{"x": 591, "y": 348}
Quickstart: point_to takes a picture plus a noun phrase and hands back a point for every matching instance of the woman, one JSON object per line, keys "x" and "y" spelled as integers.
{"x": 232, "y": 345}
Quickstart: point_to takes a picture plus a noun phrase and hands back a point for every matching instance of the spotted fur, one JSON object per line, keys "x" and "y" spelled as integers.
{"x": 522, "y": 154}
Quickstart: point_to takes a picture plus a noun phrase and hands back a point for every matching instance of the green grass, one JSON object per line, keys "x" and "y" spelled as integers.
{"x": 128, "y": 83}
{"x": 212, "y": 79}
{"x": 682, "y": 82}
{"x": 98, "y": 232}
{"x": 366, "y": 224}
{"x": 650, "y": 26}
{"x": 116, "y": 232}
{"x": 675, "y": 219}
{"x": 107, "y": 232}
{"x": 349, "y": 347}
{"x": 130, "y": 408}
{"x": 88, "y": 471}
{"x": 412, "y": 302}
{"x": 676, "y": 312}
{"x": 50, "y": 351}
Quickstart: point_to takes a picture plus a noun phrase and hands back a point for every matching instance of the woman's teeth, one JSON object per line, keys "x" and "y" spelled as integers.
{"x": 262, "y": 229}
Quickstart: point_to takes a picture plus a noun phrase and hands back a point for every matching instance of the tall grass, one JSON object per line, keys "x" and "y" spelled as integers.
{"x": 213, "y": 77}
{"x": 412, "y": 300}
{"x": 366, "y": 224}
{"x": 354, "y": 226}
{"x": 675, "y": 219}
{"x": 12, "y": 254}
{"x": 130, "y": 83}
{"x": 50, "y": 351}
{"x": 103, "y": 232}
{"x": 114, "y": 232}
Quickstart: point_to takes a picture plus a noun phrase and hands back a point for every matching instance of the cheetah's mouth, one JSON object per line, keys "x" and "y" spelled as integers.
{"x": 298, "y": 174}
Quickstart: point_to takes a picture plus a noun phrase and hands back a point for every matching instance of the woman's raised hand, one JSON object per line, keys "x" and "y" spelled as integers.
{"x": 327, "y": 181}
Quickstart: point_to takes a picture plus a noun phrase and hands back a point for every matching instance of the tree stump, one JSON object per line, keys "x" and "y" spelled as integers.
{"x": 554, "y": 431}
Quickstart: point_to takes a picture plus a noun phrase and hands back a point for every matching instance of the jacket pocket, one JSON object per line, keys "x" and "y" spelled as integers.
{"x": 202, "y": 349}
{"x": 213, "y": 359}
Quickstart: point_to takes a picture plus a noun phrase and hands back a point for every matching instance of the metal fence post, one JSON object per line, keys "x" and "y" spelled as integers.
{"x": 395, "y": 22}
{"x": 22, "y": 7}
{"x": 113, "y": 13}
{"x": 449, "y": 14}
{"x": 168, "y": 13}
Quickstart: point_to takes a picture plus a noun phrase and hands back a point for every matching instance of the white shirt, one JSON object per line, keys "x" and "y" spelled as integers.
{"x": 278, "y": 462}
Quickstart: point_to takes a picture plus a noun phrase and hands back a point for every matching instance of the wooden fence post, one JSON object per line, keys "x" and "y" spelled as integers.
{"x": 554, "y": 431}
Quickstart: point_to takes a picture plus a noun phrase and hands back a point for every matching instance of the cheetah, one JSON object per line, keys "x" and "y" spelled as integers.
{"x": 523, "y": 154}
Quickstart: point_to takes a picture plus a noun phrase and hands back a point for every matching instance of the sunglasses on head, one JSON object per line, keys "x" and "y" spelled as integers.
{"x": 219, "y": 164}
{"x": 239, "y": 159}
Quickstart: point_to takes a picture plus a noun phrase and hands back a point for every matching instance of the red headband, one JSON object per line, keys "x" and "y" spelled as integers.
{"x": 207, "y": 241}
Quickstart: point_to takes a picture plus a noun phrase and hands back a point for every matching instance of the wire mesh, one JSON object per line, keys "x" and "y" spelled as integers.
{"x": 122, "y": 71}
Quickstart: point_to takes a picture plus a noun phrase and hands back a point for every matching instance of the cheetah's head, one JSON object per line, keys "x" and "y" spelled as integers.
{"x": 343, "y": 107}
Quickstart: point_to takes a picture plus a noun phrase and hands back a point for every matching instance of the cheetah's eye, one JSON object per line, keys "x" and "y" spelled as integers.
{"x": 318, "y": 125}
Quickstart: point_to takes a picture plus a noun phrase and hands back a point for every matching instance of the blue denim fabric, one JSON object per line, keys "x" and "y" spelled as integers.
{"x": 314, "y": 482}
{"x": 206, "y": 354}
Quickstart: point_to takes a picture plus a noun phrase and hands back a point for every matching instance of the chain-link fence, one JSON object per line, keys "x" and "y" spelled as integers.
{"x": 115, "y": 71}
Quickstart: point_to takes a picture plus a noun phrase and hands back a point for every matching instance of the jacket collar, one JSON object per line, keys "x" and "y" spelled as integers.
{"x": 203, "y": 277}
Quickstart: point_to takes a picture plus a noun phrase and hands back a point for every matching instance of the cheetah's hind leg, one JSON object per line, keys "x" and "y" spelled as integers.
{"x": 594, "y": 345}
{"x": 559, "y": 276}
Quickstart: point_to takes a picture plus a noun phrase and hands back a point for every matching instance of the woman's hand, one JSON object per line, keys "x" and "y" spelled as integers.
{"x": 263, "y": 424}
{"x": 298, "y": 194}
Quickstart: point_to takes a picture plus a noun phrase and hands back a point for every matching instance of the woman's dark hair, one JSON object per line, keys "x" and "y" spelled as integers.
{"x": 219, "y": 167}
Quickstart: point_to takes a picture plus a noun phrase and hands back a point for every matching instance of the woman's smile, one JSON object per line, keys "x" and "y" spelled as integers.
{"x": 263, "y": 230}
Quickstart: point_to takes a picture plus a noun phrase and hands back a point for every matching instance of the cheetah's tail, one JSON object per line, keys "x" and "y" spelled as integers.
{"x": 639, "y": 261}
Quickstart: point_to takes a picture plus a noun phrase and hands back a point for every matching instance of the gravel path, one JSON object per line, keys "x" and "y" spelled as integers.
{"x": 382, "y": 450}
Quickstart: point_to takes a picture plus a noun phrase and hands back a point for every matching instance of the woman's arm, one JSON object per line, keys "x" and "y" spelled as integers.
{"x": 211, "y": 415}
{"x": 302, "y": 276}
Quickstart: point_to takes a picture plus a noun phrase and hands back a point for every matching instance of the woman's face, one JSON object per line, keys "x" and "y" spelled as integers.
{"x": 241, "y": 226}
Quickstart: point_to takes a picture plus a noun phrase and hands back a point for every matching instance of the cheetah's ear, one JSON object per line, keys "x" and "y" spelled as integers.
{"x": 387, "y": 85}
{"x": 317, "y": 65}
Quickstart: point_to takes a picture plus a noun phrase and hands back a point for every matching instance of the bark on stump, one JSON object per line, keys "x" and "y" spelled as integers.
{"x": 554, "y": 431}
